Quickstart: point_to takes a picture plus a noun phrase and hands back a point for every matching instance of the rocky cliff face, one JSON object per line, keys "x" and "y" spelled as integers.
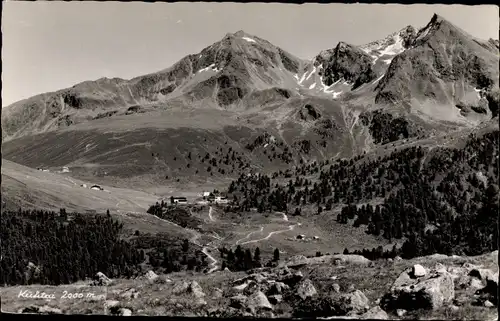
{"x": 443, "y": 66}
{"x": 346, "y": 62}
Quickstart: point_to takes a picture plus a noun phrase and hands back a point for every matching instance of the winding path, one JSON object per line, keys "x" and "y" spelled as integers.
{"x": 248, "y": 235}
{"x": 290, "y": 228}
{"x": 213, "y": 264}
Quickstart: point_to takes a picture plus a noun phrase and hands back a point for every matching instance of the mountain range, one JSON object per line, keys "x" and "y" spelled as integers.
{"x": 386, "y": 151}
{"x": 248, "y": 93}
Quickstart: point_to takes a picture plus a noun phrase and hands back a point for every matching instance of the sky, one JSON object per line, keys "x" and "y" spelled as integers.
{"x": 49, "y": 46}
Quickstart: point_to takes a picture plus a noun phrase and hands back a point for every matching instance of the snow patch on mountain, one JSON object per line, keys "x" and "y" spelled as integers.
{"x": 312, "y": 72}
{"x": 329, "y": 89}
{"x": 336, "y": 94}
{"x": 387, "y": 61}
{"x": 395, "y": 49}
{"x": 312, "y": 85}
{"x": 249, "y": 39}
{"x": 211, "y": 67}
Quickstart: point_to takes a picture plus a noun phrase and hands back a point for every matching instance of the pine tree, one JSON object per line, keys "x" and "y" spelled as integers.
{"x": 276, "y": 255}
{"x": 256, "y": 257}
{"x": 185, "y": 245}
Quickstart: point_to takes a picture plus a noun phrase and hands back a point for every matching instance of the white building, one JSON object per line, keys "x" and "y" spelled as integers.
{"x": 221, "y": 200}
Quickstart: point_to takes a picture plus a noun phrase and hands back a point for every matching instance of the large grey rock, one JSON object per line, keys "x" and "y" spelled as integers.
{"x": 258, "y": 301}
{"x": 295, "y": 261}
{"x": 346, "y": 304}
{"x": 418, "y": 271}
{"x": 102, "y": 280}
{"x": 488, "y": 304}
{"x": 400, "y": 312}
{"x": 124, "y": 312}
{"x": 356, "y": 301}
{"x": 375, "y": 313}
{"x": 150, "y": 275}
{"x": 180, "y": 287}
{"x": 336, "y": 288}
{"x": 429, "y": 292}
{"x": 197, "y": 292}
{"x": 306, "y": 289}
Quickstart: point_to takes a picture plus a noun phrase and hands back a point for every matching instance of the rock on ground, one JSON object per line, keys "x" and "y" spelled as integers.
{"x": 418, "y": 271}
{"x": 356, "y": 301}
{"x": 375, "y": 313}
{"x": 180, "y": 287}
{"x": 124, "y": 312}
{"x": 150, "y": 275}
{"x": 306, "y": 289}
{"x": 258, "y": 301}
{"x": 197, "y": 292}
{"x": 430, "y": 292}
{"x": 101, "y": 279}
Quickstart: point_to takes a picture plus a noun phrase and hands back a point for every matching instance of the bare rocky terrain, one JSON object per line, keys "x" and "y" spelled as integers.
{"x": 360, "y": 184}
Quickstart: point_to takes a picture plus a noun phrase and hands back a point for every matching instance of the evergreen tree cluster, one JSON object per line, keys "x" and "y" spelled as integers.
{"x": 441, "y": 200}
{"x": 167, "y": 255}
{"x": 277, "y": 150}
{"x": 242, "y": 259}
{"x": 66, "y": 248}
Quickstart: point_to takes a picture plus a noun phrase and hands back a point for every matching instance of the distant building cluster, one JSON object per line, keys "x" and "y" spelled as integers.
{"x": 207, "y": 198}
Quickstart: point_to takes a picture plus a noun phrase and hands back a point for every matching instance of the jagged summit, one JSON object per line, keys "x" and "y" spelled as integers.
{"x": 445, "y": 67}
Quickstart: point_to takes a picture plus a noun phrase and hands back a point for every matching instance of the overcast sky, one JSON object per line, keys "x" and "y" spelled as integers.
{"x": 53, "y": 45}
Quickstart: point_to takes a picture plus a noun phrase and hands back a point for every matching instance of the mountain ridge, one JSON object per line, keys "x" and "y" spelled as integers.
{"x": 347, "y": 100}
